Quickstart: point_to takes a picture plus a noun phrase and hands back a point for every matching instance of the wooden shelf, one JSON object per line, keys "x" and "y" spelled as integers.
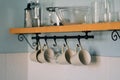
{"x": 68, "y": 28}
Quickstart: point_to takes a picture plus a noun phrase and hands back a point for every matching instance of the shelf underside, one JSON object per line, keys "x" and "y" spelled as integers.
{"x": 68, "y": 28}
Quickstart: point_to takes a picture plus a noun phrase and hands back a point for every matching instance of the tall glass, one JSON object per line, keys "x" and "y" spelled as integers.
{"x": 36, "y": 14}
{"x": 45, "y": 15}
{"x": 117, "y": 8}
{"x": 95, "y": 11}
{"x": 103, "y": 11}
{"x": 109, "y": 10}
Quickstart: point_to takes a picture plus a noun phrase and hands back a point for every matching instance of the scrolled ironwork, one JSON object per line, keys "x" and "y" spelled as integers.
{"x": 115, "y": 35}
{"x": 22, "y": 37}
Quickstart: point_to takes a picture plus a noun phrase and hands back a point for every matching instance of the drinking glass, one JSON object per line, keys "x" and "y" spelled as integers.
{"x": 45, "y": 15}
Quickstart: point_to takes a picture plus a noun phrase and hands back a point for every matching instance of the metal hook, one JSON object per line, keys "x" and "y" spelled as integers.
{"x": 46, "y": 40}
{"x": 55, "y": 41}
{"x": 79, "y": 39}
{"x": 86, "y": 35}
{"x": 79, "y": 42}
{"x": 65, "y": 38}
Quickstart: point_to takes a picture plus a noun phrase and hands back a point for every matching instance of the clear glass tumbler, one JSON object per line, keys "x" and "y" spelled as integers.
{"x": 45, "y": 15}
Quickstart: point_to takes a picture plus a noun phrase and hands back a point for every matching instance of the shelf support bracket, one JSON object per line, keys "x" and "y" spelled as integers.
{"x": 22, "y": 37}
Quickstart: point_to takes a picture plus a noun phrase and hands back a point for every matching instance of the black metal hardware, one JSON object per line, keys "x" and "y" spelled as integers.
{"x": 22, "y": 37}
{"x": 45, "y": 40}
{"x": 37, "y": 37}
{"x": 79, "y": 41}
{"x": 115, "y": 35}
{"x": 63, "y": 37}
{"x": 55, "y": 41}
{"x": 37, "y": 42}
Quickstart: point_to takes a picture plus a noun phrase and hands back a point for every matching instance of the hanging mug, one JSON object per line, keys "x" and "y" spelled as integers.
{"x": 64, "y": 58}
{"x": 41, "y": 57}
{"x": 82, "y": 56}
{"x": 49, "y": 55}
{"x": 33, "y": 56}
{"x": 75, "y": 60}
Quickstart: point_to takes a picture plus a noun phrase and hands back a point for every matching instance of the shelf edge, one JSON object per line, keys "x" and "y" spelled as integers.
{"x": 67, "y": 28}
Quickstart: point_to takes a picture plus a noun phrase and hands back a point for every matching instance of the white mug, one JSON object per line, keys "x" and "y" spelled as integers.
{"x": 38, "y": 55}
{"x": 41, "y": 57}
{"x": 82, "y": 57}
{"x": 75, "y": 60}
{"x": 33, "y": 56}
{"x": 85, "y": 56}
{"x": 49, "y": 55}
{"x": 64, "y": 58}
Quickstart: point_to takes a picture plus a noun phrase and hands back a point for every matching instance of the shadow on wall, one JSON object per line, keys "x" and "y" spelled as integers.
{"x": 94, "y": 56}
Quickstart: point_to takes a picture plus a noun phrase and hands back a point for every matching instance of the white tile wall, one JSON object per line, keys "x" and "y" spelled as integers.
{"x": 20, "y": 67}
{"x": 13, "y": 66}
{"x": 106, "y": 68}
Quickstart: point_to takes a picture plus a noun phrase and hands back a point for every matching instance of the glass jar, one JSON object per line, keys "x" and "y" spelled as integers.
{"x": 45, "y": 15}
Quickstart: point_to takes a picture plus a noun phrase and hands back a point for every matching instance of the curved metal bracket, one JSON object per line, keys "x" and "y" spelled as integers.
{"x": 115, "y": 35}
{"x": 22, "y": 37}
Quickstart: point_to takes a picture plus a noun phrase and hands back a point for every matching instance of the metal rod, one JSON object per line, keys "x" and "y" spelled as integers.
{"x": 21, "y": 37}
{"x": 63, "y": 37}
